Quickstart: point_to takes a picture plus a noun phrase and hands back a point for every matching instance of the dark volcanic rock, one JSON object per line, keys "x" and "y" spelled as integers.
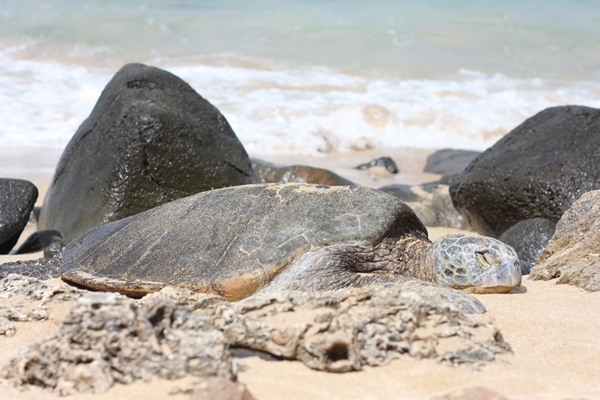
{"x": 17, "y": 198}
{"x": 38, "y": 241}
{"x": 150, "y": 139}
{"x": 537, "y": 170}
{"x": 573, "y": 253}
{"x": 449, "y": 161}
{"x": 529, "y": 237}
{"x": 270, "y": 173}
{"x": 385, "y": 162}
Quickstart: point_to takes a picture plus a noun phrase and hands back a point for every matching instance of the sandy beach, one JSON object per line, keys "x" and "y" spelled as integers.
{"x": 552, "y": 329}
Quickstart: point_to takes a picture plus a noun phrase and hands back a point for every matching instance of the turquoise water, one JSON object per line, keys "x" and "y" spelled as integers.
{"x": 307, "y": 76}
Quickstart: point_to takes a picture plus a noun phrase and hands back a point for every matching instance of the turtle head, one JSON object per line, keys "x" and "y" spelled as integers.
{"x": 475, "y": 264}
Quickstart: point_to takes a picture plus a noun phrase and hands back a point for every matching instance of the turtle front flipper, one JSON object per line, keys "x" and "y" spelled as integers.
{"x": 42, "y": 268}
{"x": 323, "y": 269}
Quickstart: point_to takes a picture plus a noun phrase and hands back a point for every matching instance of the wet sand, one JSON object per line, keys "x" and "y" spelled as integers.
{"x": 553, "y": 329}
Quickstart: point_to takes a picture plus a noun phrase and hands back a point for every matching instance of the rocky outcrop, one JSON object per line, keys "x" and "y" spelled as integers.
{"x": 106, "y": 338}
{"x": 573, "y": 253}
{"x": 536, "y": 171}
{"x": 269, "y": 173}
{"x": 529, "y": 237}
{"x": 149, "y": 140}
{"x": 17, "y": 198}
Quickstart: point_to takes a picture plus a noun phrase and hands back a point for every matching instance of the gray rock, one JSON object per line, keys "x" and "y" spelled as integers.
{"x": 38, "y": 241}
{"x": 385, "y": 162}
{"x": 431, "y": 202}
{"x": 269, "y": 173}
{"x": 536, "y": 171}
{"x": 449, "y": 161}
{"x": 573, "y": 253}
{"x": 150, "y": 139}
{"x": 106, "y": 338}
{"x": 17, "y": 198}
{"x": 529, "y": 237}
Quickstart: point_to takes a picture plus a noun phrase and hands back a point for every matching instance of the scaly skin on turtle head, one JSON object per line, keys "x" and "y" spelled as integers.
{"x": 474, "y": 264}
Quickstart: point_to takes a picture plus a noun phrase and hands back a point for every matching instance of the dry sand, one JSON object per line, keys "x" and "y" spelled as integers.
{"x": 553, "y": 329}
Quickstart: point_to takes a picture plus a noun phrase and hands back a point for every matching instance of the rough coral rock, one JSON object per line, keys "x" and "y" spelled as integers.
{"x": 107, "y": 338}
{"x": 39, "y": 295}
{"x": 573, "y": 253}
{"x": 344, "y": 330}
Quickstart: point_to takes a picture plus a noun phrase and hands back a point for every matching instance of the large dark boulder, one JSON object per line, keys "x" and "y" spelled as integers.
{"x": 537, "y": 170}
{"x": 149, "y": 140}
{"x": 17, "y": 198}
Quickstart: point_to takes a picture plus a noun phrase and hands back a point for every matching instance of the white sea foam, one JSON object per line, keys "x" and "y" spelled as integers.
{"x": 293, "y": 110}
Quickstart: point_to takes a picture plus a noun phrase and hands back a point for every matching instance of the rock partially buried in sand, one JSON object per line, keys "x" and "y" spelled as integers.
{"x": 536, "y": 171}
{"x": 17, "y": 198}
{"x": 471, "y": 393}
{"x": 106, "y": 338}
{"x": 150, "y": 139}
{"x": 286, "y": 237}
{"x": 573, "y": 253}
{"x": 269, "y": 173}
{"x": 345, "y": 330}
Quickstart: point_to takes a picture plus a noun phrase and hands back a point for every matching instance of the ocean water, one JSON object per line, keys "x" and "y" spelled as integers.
{"x": 307, "y": 76}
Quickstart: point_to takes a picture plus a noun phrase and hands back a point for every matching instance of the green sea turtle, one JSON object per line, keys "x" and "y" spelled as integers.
{"x": 241, "y": 240}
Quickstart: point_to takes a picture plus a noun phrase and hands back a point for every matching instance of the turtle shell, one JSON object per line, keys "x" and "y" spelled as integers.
{"x": 230, "y": 241}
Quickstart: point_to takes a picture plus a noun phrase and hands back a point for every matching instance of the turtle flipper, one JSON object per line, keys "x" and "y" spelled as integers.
{"x": 320, "y": 270}
{"x": 42, "y": 268}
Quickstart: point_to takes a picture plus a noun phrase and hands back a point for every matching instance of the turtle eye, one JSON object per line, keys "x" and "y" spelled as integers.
{"x": 486, "y": 260}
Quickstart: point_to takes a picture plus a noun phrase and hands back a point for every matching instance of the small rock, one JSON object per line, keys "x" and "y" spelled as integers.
{"x": 471, "y": 393}
{"x": 269, "y": 173}
{"x": 221, "y": 389}
{"x": 449, "y": 161}
{"x": 431, "y": 202}
{"x": 384, "y": 162}
{"x": 38, "y": 241}
{"x": 17, "y": 198}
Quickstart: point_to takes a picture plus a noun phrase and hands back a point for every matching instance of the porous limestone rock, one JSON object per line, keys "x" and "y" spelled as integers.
{"x": 106, "y": 338}
{"x": 573, "y": 253}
